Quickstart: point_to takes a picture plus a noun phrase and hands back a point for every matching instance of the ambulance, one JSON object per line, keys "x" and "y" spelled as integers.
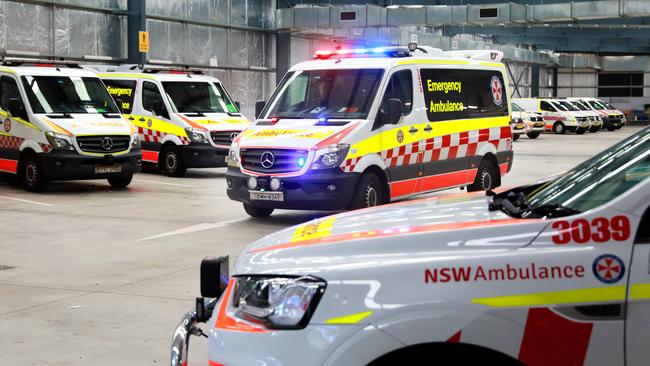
{"x": 557, "y": 118}
{"x": 613, "y": 119}
{"x": 58, "y": 122}
{"x": 184, "y": 118}
{"x": 595, "y": 119}
{"x": 531, "y": 124}
{"x": 356, "y": 128}
{"x": 552, "y": 273}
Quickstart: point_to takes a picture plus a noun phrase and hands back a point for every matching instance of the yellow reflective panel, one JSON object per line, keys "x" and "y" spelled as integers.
{"x": 600, "y": 294}
{"x": 315, "y": 230}
{"x": 349, "y": 319}
{"x": 640, "y": 291}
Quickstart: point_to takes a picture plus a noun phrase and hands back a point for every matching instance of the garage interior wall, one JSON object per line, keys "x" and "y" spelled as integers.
{"x": 243, "y": 59}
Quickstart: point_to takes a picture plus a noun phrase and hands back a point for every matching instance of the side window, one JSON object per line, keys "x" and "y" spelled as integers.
{"x": 400, "y": 86}
{"x": 123, "y": 92}
{"x": 8, "y": 90}
{"x": 451, "y": 94}
{"x": 150, "y": 95}
{"x": 643, "y": 234}
{"x": 546, "y": 107}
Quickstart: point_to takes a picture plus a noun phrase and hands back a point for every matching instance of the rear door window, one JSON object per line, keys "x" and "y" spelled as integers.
{"x": 123, "y": 92}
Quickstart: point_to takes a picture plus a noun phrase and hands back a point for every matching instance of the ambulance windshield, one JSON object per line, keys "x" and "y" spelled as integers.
{"x": 340, "y": 94}
{"x": 198, "y": 97}
{"x": 68, "y": 94}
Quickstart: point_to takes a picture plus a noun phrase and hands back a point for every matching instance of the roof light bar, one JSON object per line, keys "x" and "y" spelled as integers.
{"x": 363, "y": 52}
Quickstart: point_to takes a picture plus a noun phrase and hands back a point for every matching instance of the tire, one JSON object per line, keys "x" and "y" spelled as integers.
{"x": 515, "y": 136}
{"x": 31, "y": 174}
{"x": 486, "y": 177}
{"x": 532, "y": 135}
{"x": 255, "y": 211}
{"x": 611, "y": 128}
{"x": 120, "y": 181}
{"x": 369, "y": 192}
{"x": 559, "y": 128}
{"x": 581, "y": 131}
{"x": 594, "y": 129}
{"x": 171, "y": 162}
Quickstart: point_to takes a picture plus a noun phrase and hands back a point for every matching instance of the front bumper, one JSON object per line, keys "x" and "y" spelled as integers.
{"x": 610, "y": 122}
{"x": 70, "y": 165}
{"x": 203, "y": 156}
{"x": 305, "y": 192}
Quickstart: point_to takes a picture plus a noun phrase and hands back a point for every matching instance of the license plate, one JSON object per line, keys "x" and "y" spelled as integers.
{"x": 520, "y": 126}
{"x": 107, "y": 169}
{"x": 539, "y": 125}
{"x": 267, "y": 196}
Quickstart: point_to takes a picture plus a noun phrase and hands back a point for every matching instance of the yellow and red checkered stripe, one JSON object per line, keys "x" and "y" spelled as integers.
{"x": 149, "y": 135}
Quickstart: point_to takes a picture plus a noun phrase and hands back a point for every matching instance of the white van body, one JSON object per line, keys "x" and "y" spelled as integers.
{"x": 556, "y": 119}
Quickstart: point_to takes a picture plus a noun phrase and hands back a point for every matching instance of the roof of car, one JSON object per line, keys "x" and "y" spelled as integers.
{"x": 56, "y": 70}
{"x": 161, "y": 76}
{"x": 389, "y": 62}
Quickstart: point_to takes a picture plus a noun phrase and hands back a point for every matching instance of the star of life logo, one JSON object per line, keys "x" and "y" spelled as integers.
{"x": 497, "y": 90}
{"x": 608, "y": 268}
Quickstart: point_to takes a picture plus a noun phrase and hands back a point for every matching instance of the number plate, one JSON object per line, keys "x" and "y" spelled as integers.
{"x": 267, "y": 196}
{"x": 107, "y": 169}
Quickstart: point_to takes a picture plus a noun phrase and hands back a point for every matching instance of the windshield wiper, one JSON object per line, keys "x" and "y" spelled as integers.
{"x": 59, "y": 115}
{"x": 513, "y": 204}
{"x": 551, "y": 210}
{"x": 111, "y": 115}
{"x": 194, "y": 114}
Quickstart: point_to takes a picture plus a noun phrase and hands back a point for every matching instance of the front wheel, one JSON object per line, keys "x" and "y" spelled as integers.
{"x": 532, "y": 135}
{"x": 120, "y": 181}
{"x": 31, "y": 174}
{"x": 369, "y": 192}
{"x": 486, "y": 177}
{"x": 559, "y": 128}
{"x": 171, "y": 162}
{"x": 255, "y": 211}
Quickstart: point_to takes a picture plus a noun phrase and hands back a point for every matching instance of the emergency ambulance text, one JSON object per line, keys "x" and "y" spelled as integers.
{"x": 119, "y": 91}
{"x": 446, "y": 86}
{"x": 507, "y": 273}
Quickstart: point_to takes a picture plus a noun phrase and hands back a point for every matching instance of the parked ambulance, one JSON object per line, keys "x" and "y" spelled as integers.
{"x": 557, "y": 119}
{"x": 594, "y": 117}
{"x": 362, "y": 127}
{"x": 185, "y": 119}
{"x": 58, "y": 122}
{"x": 553, "y": 273}
{"x": 612, "y": 118}
{"x": 595, "y": 123}
{"x": 531, "y": 124}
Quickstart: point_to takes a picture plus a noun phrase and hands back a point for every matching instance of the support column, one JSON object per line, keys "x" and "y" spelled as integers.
{"x": 534, "y": 80}
{"x": 282, "y": 54}
{"x": 136, "y": 22}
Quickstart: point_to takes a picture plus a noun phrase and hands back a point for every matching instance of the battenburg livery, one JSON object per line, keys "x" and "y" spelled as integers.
{"x": 184, "y": 118}
{"x": 58, "y": 122}
{"x": 361, "y": 127}
{"x": 553, "y": 273}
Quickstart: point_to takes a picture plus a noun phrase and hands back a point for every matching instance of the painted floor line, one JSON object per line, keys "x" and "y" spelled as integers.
{"x": 165, "y": 183}
{"x": 194, "y": 228}
{"x": 28, "y": 201}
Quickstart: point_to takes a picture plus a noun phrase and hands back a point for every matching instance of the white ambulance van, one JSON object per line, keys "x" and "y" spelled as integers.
{"x": 185, "y": 119}
{"x": 531, "y": 124}
{"x": 552, "y": 273}
{"x": 362, "y": 127}
{"x": 595, "y": 119}
{"x": 60, "y": 123}
{"x": 556, "y": 118}
{"x": 594, "y": 124}
{"x": 613, "y": 119}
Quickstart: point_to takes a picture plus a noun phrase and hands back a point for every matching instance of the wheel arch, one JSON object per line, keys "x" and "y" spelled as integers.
{"x": 446, "y": 353}
{"x": 383, "y": 178}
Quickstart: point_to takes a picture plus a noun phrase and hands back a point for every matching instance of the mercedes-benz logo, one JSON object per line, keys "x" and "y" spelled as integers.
{"x": 107, "y": 143}
{"x": 267, "y": 159}
{"x": 233, "y": 136}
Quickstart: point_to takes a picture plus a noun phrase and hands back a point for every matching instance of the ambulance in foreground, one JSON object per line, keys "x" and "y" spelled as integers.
{"x": 185, "y": 119}
{"x": 58, "y": 122}
{"x": 552, "y": 273}
{"x": 557, "y": 118}
{"x": 531, "y": 124}
{"x": 613, "y": 119}
{"x": 362, "y": 127}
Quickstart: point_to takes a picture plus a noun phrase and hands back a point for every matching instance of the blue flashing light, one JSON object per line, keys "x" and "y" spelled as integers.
{"x": 301, "y": 162}
{"x": 322, "y": 120}
{"x": 378, "y": 50}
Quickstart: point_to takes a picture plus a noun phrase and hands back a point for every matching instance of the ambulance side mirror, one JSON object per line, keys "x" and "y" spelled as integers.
{"x": 16, "y": 108}
{"x": 214, "y": 276}
{"x": 393, "y": 111}
{"x": 259, "y": 106}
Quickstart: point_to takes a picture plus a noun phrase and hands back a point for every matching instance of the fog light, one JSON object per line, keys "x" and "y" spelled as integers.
{"x": 331, "y": 187}
{"x": 275, "y": 184}
{"x": 252, "y": 183}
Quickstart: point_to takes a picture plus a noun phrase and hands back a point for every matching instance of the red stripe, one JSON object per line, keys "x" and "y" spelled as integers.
{"x": 446, "y": 141}
{"x": 455, "y": 338}
{"x": 504, "y": 168}
{"x": 10, "y": 166}
{"x": 453, "y": 151}
{"x": 403, "y": 188}
{"x": 483, "y": 135}
{"x": 446, "y": 180}
{"x": 214, "y": 363}
{"x": 334, "y": 139}
{"x": 151, "y": 156}
{"x": 550, "y": 339}
{"x": 471, "y": 149}
{"x": 464, "y": 138}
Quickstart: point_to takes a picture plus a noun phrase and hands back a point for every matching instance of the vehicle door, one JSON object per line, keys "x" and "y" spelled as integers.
{"x": 14, "y": 125}
{"x": 153, "y": 121}
{"x": 400, "y": 143}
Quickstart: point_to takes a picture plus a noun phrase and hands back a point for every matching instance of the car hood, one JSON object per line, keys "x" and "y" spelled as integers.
{"x": 216, "y": 121}
{"x": 88, "y": 124}
{"x": 291, "y": 133}
{"x": 376, "y": 236}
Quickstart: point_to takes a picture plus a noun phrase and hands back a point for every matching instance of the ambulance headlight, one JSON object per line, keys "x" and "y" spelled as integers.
{"x": 233, "y": 156}
{"x": 278, "y": 302}
{"x": 196, "y": 136}
{"x": 59, "y": 141}
{"x": 331, "y": 156}
{"x": 135, "y": 141}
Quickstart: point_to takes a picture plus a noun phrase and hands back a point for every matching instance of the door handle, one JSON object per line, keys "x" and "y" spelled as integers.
{"x": 428, "y": 128}
{"x": 413, "y": 130}
{"x": 141, "y": 119}
{"x": 131, "y": 118}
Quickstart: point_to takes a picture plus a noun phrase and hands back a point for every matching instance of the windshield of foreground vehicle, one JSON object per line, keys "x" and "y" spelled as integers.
{"x": 516, "y": 108}
{"x": 63, "y": 94}
{"x": 198, "y": 97}
{"x": 601, "y": 178}
{"x": 327, "y": 93}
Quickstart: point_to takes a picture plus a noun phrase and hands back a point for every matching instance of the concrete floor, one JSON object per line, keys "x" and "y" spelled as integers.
{"x": 99, "y": 277}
